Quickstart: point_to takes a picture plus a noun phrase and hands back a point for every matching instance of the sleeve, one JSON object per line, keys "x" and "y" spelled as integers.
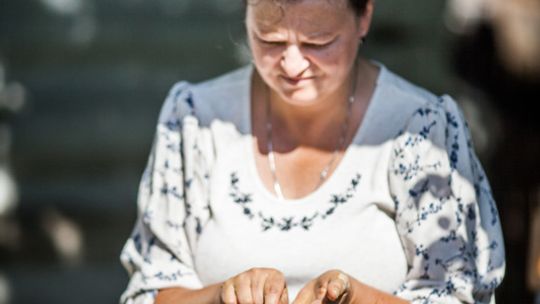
{"x": 157, "y": 254}
{"x": 445, "y": 213}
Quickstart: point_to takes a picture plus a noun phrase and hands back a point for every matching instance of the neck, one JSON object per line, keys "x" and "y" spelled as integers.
{"x": 299, "y": 119}
{"x": 307, "y": 124}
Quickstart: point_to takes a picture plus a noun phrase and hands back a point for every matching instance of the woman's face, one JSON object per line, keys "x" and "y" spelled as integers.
{"x": 304, "y": 50}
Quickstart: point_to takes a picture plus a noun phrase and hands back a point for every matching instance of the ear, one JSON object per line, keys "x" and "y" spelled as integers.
{"x": 364, "y": 23}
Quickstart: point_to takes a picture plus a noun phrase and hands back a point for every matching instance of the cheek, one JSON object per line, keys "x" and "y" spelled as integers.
{"x": 265, "y": 59}
{"x": 335, "y": 59}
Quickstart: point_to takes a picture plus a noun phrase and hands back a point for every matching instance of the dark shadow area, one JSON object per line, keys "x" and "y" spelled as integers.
{"x": 513, "y": 169}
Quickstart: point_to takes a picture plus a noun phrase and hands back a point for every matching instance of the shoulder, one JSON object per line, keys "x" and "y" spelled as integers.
{"x": 415, "y": 107}
{"x": 209, "y": 98}
{"x": 405, "y": 89}
{"x": 225, "y": 83}
{"x": 403, "y": 93}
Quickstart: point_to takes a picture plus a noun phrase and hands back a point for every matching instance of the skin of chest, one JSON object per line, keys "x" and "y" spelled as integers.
{"x": 301, "y": 154}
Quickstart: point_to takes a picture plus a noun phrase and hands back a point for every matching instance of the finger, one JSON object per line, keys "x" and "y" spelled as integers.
{"x": 284, "y": 296}
{"x": 242, "y": 288}
{"x": 321, "y": 289}
{"x": 301, "y": 296}
{"x": 257, "y": 288}
{"x": 273, "y": 288}
{"x": 228, "y": 296}
{"x": 306, "y": 295}
{"x": 337, "y": 286}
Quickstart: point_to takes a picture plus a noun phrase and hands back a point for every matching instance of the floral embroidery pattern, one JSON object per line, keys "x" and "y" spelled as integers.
{"x": 244, "y": 200}
{"x": 429, "y": 194}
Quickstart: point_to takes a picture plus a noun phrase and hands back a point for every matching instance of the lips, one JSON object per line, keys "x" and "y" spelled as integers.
{"x": 296, "y": 80}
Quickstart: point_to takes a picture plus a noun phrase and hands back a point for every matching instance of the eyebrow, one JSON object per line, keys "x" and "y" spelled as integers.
{"x": 318, "y": 35}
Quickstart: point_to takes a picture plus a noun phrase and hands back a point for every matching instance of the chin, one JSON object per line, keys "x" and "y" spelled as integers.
{"x": 301, "y": 97}
{"x": 301, "y": 100}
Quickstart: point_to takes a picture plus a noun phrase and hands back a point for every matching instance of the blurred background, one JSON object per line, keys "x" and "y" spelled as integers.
{"x": 82, "y": 82}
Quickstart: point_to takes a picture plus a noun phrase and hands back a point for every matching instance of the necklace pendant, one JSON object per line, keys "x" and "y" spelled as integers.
{"x": 323, "y": 175}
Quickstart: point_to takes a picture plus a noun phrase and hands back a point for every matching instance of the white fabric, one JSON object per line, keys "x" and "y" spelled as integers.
{"x": 408, "y": 209}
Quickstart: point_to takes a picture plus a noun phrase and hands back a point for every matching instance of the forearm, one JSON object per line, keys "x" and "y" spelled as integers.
{"x": 363, "y": 294}
{"x": 177, "y": 295}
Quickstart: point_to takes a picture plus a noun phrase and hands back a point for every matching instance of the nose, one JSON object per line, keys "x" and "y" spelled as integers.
{"x": 293, "y": 62}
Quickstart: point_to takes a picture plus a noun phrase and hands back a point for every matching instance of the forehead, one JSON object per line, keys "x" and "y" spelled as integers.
{"x": 309, "y": 16}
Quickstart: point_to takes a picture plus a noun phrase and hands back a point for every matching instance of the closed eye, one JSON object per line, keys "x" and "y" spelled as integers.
{"x": 321, "y": 44}
{"x": 273, "y": 43}
{"x": 317, "y": 45}
{"x": 270, "y": 42}
{"x": 312, "y": 45}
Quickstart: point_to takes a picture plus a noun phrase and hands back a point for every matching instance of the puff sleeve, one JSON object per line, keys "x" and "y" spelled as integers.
{"x": 445, "y": 213}
{"x": 158, "y": 253}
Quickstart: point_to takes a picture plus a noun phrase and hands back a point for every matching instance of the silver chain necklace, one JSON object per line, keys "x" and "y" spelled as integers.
{"x": 340, "y": 145}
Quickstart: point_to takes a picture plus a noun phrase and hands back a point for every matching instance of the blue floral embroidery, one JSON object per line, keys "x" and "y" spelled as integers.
{"x": 426, "y": 200}
{"x": 239, "y": 198}
{"x": 287, "y": 223}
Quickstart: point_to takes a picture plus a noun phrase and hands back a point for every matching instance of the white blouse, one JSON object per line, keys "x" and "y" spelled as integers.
{"x": 408, "y": 210}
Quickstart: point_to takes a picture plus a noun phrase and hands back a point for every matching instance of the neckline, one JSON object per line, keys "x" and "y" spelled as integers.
{"x": 341, "y": 166}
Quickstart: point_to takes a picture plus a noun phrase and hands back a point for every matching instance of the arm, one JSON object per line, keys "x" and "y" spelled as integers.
{"x": 364, "y": 294}
{"x": 445, "y": 214}
{"x": 158, "y": 253}
{"x": 177, "y": 295}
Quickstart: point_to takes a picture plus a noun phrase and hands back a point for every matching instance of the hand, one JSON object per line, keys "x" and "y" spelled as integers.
{"x": 255, "y": 286}
{"x": 331, "y": 287}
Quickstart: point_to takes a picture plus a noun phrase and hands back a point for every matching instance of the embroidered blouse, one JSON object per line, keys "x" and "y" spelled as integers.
{"x": 408, "y": 209}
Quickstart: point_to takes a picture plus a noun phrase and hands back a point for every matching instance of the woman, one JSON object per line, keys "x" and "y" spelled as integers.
{"x": 313, "y": 176}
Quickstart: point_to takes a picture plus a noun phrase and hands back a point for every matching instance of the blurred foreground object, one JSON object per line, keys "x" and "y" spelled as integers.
{"x": 8, "y": 191}
{"x": 517, "y": 34}
{"x": 534, "y": 257}
{"x": 516, "y": 26}
{"x": 5, "y": 296}
{"x": 65, "y": 235}
{"x": 11, "y": 100}
{"x": 497, "y": 56}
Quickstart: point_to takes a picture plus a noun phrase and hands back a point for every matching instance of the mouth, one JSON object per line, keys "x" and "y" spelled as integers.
{"x": 296, "y": 80}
